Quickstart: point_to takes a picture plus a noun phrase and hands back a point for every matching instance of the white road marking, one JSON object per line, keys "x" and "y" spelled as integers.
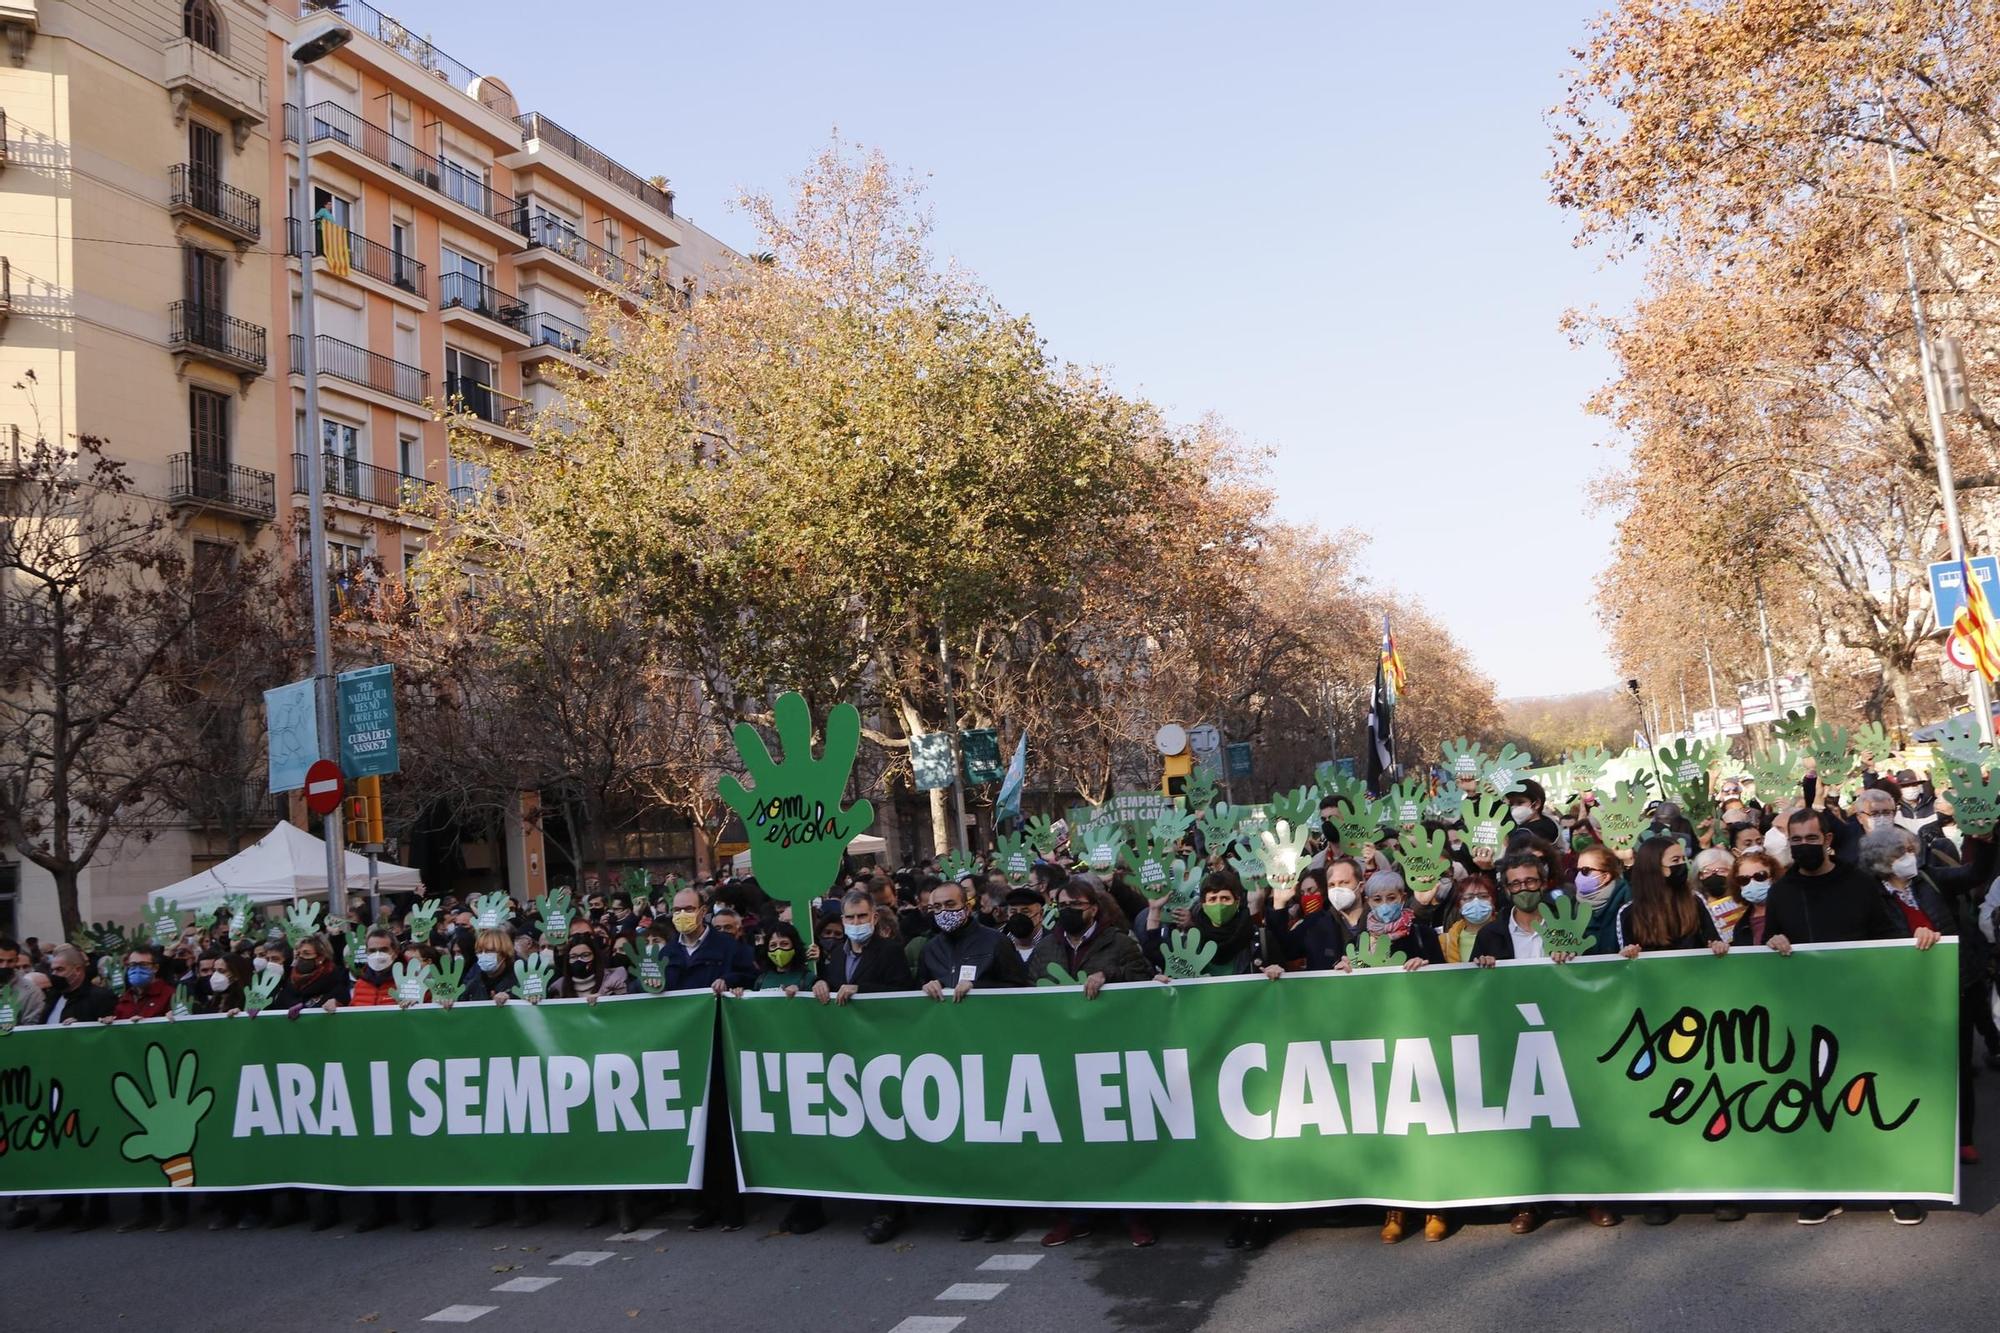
{"x": 581, "y": 1259}
{"x": 1010, "y": 1263}
{"x": 647, "y": 1234}
{"x": 1029, "y": 1238}
{"x": 928, "y": 1323}
{"x": 527, "y": 1283}
{"x": 972, "y": 1291}
{"x": 459, "y": 1314}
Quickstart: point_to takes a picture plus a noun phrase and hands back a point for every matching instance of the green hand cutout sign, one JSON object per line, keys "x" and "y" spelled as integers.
{"x": 448, "y": 980}
{"x": 954, "y": 866}
{"x": 411, "y": 980}
{"x": 1793, "y": 730}
{"x": 1483, "y": 819}
{"x": 257, "y": 995}
{"x": 1187, "y": 954}
{"x": 1960, "y": 741}
{"x": 647, "y": 965}
{"x": 1589, "y": 765}
{"x": 554, "y": 916}
{"x": 1148, "y": 862}
{"x": 1406, "y": 804}
{"x": 1374, "y": 950}
{"x": 1975, "y": 798}
{"x": 353, "y": 953}
{"x": 1041, "y": 834}
{"x": 1564, "y": 926}
{"x": 1171, "y": 827}
{"x": 99, "y": 937}
{"x": 1249, "y": 868}
{"x": 1421, "y": 856}
{"x": 1184, "y": 885}
{"x": 168, "y": 1113}
{"x": 1199, "y": 790}
{"x": 1058, "y": 975}
{"x": 1872, "y": 739}
{"x": 1103, "y": 846}
{"x": 423, "y": 920}
{"x": 300, "y": 921}
{"x": 183, "y": 1002}
{"x": 8, "y": 1016}
{"x": 1506, "y": 772}
{"x": 489, "y": 911}
{"x": 798, "y": 829}
{"x": 1014, "y": 858}
{"x": 204, "y": 920}
{"x": 241, "y": 915}
{"x": 1831, "y": 752}
{"x": 534, "y": 973}
{"x": 1295, "y": 807}
{"x": 1358, "y": 822}
{"x": 1775, "y": 772}
{"x": 1621, "y": 817}
{"x": 1282, "y": 856}
{"x": 1447, "y": 806}
{"x": 164, "y": 921}
{"x": 1218, "y": 826}
{"x": 1463, "y": 759}
{"x": 113, "y": 975}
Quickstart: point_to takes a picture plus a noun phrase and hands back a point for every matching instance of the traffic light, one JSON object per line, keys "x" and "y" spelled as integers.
{"x": 364, "y": 813}
{"x": 1174, "y": 774}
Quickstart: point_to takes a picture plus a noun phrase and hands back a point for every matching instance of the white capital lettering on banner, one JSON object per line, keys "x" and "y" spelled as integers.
{"x": 336, "y": 1106}
{"x": 422, "y": 1084}
{"x": 1306, "y": 1095}
{"x": 934, "y": 1069}
{"x": 461, "y": 1095}
{"x": 256, "y": 1109}
{"x": 756, "y": 1120}
{"x": 514, "y": 1102}
{"x": 1539, "y": 1087}
{"x": 381, "y": 1124}
{"x": 1416, "y": 1090}
{"x": 1160, "y": 1098}
{"x": 662, "y": 1090}
{"x": 874, "y": 1074}
{"x": 295, "y": 1090}
{"x": 979, "y": 1127}
{"x": 803, "y": 1096}
{"x": 1029, "y": 1110}
{"x": 1360, "y": 1059}
{"x": 1096, "y": 1100}
{"x": 569, "y": 1088}
{"x": 843, "y": 1089}
{"x": 1235, "y": 1113}
{"x": 1468, "y": 1085}
{"x": 615, "y": 1084}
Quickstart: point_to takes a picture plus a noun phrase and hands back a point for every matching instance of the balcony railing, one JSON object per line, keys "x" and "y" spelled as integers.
{"x": 219, "y": 803}
{"x": 487, "y": 403}
{"x": 557, "y": 332}
{"x": 330, "y": 121}
{"x": 535, "y": 125}
{"x": 463, "y": 291}
{"x": 207, "y": 485}
{"x": 205, "y": 330}
{"x": 548, "y": 233}
{"x": 201, "y": 190}
{"x": 358, "y": 365}
{"x": 372, "y": 22}
{"x": 356, "y": 480}
{"x": 365, "y": 256}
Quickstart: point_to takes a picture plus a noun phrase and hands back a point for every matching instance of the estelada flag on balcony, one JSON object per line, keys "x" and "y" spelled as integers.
{"x": 1975, "y": 628}
{"x": 333, "y": 246}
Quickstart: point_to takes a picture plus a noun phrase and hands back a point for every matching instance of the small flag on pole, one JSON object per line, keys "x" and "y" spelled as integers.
{"x": 1392, "y": 661}
{"x": 333, "y": 246}
{"x": 1008, "y": 805}
{"x": 1975, "y": 628}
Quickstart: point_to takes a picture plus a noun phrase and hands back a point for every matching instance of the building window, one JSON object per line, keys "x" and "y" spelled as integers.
{"x": 465, "y": 184}
{"x": 201, "y": 24}
{"x": 400, "y": 271}
{"x": 469, "y": 379}
{"x": 206, "y": 278}
{"x": 409, "y": 457}
{"x": 208, "y": 442}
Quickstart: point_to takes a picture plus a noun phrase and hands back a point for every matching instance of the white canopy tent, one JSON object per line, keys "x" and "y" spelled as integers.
{"x": 284, "y": 864}
{"x": 864, "y": 844}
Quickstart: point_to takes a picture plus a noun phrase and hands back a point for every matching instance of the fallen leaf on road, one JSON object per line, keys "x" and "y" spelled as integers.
{"x": 369, "y": 1318}
{"x": 505, "y": 1268}
{"x": 631, "y": 1314}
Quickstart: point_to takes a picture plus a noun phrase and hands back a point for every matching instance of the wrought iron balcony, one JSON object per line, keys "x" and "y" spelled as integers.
{"x": 462, "y": 291}
{"x": 332, "y": 122}
{"x": 487, "y": 403}
{"x": 201, "y": 191}
{"x": 199, "y": 484}
{"x": 354, "y": 480}
{"x": 558, "y": 237}
{"x": 557, "y": 332}
{"x": 358, "y": 365}
{"x": 206, "y": 332}
{"x": 365, "y": 256}
{"x": 536, "y": 126}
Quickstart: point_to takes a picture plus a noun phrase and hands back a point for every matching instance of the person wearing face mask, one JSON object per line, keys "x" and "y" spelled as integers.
{"x": 316, "y": 978}
{"x": 1307, "y": 934}
{"x": 491, "y": 975}
{"x": 75, "y": 994}
{"x": 1750, "y": 883}
{"x": 1527, "y": 808}
{"x": 1083, "y": 946}
{"x": 1343, "y": 894}
{"x": 17, "y": 987}
{"x": 1391, "y": 914}
{"x": 219, "y": 981}
{"x": 961, "y": 953}
{"x": 1821, "y": 901}
{"x": 1474, "y": 905}
{"x": 1516, "y": 934}
{"x": 783, "y": 962}
{"x": 1022, "y": 924}
{"x": 1712, "y": 868}
{"x": 701, "y": 957}
{"x": 147, "y": 993}
{"x": 1600, "y": 883}
{"x": 374, "y": 985}
{"x": 585, "y": 971}
{"x": 1664, "y": 913}
{"x": 1218, "y": 919}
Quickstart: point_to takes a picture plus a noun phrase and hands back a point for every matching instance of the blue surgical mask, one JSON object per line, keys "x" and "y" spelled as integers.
{"x": 860, "y": 934}
{"x": 1387, "y": 911}
{"x": 138, "y": 976}
{"x": 1587, "y": 882}
{"x": 1476, "y": 910}
{"x": 1756, "y": 890}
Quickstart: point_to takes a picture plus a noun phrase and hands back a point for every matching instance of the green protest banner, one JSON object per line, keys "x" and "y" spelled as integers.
{"x": 1675, "y": 1076}
{"x": 368, "y": 743}
{"x": 561, "y": 1095}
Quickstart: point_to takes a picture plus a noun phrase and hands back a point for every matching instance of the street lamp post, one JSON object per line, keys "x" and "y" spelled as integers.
{"x": 321, "y": 44}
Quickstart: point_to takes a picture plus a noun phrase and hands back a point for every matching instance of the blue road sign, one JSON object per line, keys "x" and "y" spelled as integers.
{"x": 1948, "y": 590}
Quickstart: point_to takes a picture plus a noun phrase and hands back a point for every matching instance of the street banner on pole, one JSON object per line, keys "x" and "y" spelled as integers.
{"x": 1678, "y": 1076}
{"x": 981, "y": 748}
{"x": 930, "y": 760}
{"x": 561, "y": 1095}
{"x": 292, "y": 732}
{"x": 368, "y": 747}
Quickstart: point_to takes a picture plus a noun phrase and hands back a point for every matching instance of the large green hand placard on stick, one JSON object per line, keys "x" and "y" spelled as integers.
{"x": 793, "y": 816}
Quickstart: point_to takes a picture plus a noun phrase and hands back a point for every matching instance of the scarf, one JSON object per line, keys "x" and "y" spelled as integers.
{"x": 1396, "y": 929}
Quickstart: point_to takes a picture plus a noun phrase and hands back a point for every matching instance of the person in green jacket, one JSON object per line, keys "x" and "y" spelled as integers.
{"x": 1600, "y": 882}
{"x": 782, "y": 962}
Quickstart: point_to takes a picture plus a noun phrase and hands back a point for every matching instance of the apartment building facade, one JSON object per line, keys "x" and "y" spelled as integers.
{"x": 151, "y": 237}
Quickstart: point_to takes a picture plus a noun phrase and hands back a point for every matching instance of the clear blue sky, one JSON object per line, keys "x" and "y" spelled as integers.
{"x": 1326, "y": 223}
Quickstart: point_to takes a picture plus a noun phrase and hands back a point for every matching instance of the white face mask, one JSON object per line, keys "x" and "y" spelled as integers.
{"x": 489, "y": 962}
{"x": 380, "y": 959}
{"x": 549, "y": 956}
{"x": 262, "y": 964}
{"x": 1911, "y": 794}
{"x": 1341, "y": 896}
{"x": 1904, "y": 866}
{"x": 218, "y": 982}
{"x": 1521, "y": 813}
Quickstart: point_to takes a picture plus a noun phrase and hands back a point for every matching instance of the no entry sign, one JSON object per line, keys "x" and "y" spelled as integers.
{"x": 325, "y": 788}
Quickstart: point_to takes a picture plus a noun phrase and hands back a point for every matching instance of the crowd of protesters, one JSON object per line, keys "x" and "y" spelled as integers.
{"x": 1889, "y": 864}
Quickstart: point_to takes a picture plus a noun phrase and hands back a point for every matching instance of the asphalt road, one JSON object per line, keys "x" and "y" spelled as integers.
{"x": 1857, "y": 1272}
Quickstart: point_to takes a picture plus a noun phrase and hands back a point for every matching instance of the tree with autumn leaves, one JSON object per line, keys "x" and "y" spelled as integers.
{"x": 1758, "y": 158}
{"x": 849, "y": 464}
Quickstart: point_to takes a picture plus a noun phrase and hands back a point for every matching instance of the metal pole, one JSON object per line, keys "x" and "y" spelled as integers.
{"x": 1770, "y": 663}
{"x": 957, "y": 759}
{"x": 1714, "y": 704}
{"x": 1982, "y": 706}
{"x": 323, "y": 690}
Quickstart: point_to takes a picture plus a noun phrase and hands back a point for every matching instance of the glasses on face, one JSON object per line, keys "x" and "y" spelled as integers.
{"x": 1527, "y": 882}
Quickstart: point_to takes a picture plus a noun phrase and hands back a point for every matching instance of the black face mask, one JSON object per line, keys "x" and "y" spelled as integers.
{"x": 1714, "y": 885}
{"x": 580, "y": 967}
{"x": 1072, "y": 921}
{"x": 57, "y": 985}
{"x": 6, "y": 975}
{"x": 1020, "y": 927}
{"x": 1677, "y": 876}
{"x": 1808, "y": 856}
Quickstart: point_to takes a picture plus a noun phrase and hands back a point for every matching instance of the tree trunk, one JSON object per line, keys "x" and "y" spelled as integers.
{"x": 66, "y": 899}
{"x": 1897, "y": 678}
{"x": 942, "y": 839}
